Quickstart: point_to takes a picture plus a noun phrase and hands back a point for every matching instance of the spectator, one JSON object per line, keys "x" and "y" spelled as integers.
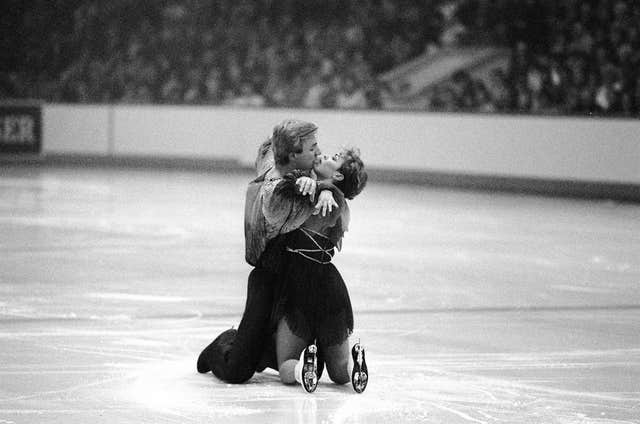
{"x": 483, "y": 100}
{"x": 213, "y": 87}
{"x": 350, "y": 96}
{"x": 248, "y": 97}
{"x": 316, "y": 92}
{"x": 570, "y": 56}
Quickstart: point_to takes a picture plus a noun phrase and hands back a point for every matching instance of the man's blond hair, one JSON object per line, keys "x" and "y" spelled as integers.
{"x": 288, "y": 137}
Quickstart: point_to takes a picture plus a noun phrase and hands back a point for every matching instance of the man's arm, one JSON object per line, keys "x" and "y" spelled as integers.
{"x": 285, "y": 208}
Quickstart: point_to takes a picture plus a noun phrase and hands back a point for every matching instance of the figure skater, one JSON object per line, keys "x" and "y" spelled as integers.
{"x": 312, "y": 308}
{"x": 270, "y": 212}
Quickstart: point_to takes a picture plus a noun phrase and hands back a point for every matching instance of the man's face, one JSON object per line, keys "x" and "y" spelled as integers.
{"x": 326, "y": 166}
{"x": 306, "y": 158}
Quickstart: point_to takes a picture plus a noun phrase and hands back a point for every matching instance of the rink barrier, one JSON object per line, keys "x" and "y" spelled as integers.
{"x": 525, "y": 186}
{"x": 511, "y": 184}
{"x": 586, "y": 157}
{"x": 20, "y": 128}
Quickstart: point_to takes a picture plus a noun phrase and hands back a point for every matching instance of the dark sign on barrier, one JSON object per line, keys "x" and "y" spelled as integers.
{"x": 20, "y": 129}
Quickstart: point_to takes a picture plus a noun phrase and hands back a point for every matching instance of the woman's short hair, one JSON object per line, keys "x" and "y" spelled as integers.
{"x": 355, "y": 176}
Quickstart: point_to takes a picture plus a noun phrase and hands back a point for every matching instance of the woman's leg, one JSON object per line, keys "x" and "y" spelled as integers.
{"x": 339, "y": 362}
{"x": 288, "y": 349}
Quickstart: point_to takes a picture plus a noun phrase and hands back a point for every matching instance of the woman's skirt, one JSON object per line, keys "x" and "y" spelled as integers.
{"x": 312, "y": 296}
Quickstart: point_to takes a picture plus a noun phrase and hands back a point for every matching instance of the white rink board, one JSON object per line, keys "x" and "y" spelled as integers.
{"x": 76, "y": 129}
{"x": 574, "y": 149}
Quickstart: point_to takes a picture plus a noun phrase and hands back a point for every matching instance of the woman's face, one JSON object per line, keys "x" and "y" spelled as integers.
{"x": 325, "y": 166}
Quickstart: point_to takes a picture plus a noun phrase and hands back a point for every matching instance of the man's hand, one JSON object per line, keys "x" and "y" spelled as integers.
{"x": 307, "y": 185}
{"x": 326, "y": 202}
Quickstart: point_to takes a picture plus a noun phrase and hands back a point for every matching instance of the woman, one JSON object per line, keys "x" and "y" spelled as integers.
{"x": 312, "y": 305}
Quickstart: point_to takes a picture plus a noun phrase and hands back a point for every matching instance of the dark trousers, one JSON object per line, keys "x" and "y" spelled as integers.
{"x": 235, "y": 355}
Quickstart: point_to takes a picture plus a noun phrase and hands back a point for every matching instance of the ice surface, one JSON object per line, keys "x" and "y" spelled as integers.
{"x": 474, "y": 307}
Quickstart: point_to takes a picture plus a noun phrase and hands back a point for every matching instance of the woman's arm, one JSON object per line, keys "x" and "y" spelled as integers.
{"x": 284, "y": 207}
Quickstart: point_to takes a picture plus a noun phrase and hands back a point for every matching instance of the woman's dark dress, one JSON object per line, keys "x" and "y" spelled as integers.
{"x": 312, "y": 297}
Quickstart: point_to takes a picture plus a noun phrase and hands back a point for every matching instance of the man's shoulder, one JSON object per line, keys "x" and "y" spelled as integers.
{"x": 272, "y": 177}
{"x": 264, "y": 159}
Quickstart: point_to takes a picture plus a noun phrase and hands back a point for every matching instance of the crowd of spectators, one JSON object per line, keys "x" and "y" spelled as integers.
{"x": 570, "y": 56}
{"x": 316, "y": 53}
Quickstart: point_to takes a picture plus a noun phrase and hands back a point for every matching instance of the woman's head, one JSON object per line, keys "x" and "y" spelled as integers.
{"x": 346, "y": 169}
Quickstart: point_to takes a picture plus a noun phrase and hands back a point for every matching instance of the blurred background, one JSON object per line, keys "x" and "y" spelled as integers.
{"x": 534, "y": 56}
{"x": 535, "y": 95}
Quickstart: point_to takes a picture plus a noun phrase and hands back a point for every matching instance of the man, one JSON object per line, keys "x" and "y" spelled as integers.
{"x": 235, "y": 355}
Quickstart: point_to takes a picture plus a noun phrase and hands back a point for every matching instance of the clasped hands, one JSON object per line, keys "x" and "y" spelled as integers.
{"x": 326, "y": 202}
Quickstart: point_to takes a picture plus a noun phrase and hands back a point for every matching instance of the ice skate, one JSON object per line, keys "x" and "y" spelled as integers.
{"x": 360, "y": 374}
{"x": 308, "y": 368}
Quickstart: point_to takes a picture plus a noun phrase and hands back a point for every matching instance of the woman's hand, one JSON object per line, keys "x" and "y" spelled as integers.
{"x": 307, "y": 185}
{"x": 326, "y": 202}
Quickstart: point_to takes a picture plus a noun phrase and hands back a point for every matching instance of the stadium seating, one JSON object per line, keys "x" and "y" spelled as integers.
{"x": 566, "y": 57}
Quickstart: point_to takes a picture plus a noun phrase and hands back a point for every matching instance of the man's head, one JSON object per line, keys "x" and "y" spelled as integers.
{"x": 294, "y": 144}
{"x": 346, "y": 169}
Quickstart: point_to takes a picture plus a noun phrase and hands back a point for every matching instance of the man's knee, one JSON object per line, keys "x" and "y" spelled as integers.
{"x": 238, "y": 366}
{"x": 242, "y": 361}
{"x": 238, "y": 375}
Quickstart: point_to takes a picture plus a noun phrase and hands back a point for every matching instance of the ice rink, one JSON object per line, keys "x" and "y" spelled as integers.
{"x": 474, "y": 307}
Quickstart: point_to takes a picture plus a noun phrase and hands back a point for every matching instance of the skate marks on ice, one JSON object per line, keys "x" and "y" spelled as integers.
{"x": 491, "y": 309}
{"x": 436, "y": 388}
{"x": 431, "y": 388}
{"x": 495, "y": 388}
{"x": 106, "y": 371}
